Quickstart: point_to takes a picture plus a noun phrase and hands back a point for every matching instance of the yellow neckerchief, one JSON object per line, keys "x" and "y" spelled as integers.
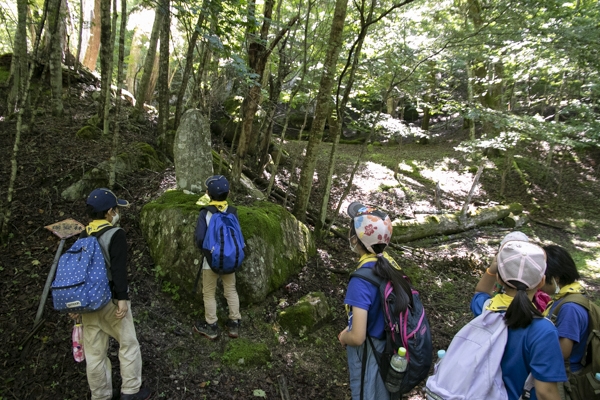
{"x": 221, "y": 205}
{"x": 499, "y": 302}
{"x": 96, "y": 226}
{"x": 574, "y": 287}
{"x": 370, "y": 257}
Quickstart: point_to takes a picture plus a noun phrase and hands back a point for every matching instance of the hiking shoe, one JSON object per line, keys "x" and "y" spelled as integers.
{"x": 143, "y": 394}
{"x": 211, "y": 331}
{"x": 233, "y": 326}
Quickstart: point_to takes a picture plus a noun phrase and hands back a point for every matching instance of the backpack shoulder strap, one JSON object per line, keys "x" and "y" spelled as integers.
{"x": 104, "y": 241}
{"x": 368, "y": 275}
{"x": 576, "y": 298}
{"x": 212, "y": 209}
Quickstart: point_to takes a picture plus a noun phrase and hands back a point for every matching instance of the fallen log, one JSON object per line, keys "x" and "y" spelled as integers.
{"x": 431, "y": 225}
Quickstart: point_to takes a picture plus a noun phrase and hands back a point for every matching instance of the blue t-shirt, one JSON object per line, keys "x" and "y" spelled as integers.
{"x": 572, "y": 323}
{"x": 534, "y": 350}
{"x": 365, "y": 295}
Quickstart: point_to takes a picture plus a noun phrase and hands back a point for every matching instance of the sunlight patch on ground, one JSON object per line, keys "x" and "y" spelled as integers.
{"x": 370, "y": 179}
{"x": 590, "y": 264}
{"x": 452, "y": 182}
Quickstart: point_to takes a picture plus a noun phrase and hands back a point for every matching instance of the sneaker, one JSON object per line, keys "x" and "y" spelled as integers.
{"x": 233, "y": 326}
{"x": 211, "y": 331}
{"x": 143, "y": 394}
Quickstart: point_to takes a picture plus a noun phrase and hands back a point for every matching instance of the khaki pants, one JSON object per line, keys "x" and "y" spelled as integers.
{"x": 209, "y": 287}
{"x": 97, "y": 327}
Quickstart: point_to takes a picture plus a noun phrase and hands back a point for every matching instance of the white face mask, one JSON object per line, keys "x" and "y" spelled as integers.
{"x": 116, "y": 218}
{"x": 557, "y": 288}
{"x": 353, "y": 246}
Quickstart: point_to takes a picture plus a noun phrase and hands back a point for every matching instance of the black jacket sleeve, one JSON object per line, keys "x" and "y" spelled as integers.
{"x": 118, "y": 265}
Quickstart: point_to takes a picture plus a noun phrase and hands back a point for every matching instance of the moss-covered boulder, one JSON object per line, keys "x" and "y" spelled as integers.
{"x": 244, "y": 353}
{"x": 139, "y": 156}
{"x": 277, "y": 245}
{"x": 304, "y": 317}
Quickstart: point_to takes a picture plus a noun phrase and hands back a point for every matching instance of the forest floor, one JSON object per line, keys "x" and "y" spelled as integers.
{"x": 562, "y": 203}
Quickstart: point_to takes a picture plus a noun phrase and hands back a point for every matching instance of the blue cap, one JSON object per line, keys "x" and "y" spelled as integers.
{"x": 217, "y": 185}
{"x": 103, "y": 199}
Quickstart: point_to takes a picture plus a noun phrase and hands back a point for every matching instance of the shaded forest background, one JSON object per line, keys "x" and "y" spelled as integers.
{"x": 334, "y": 101}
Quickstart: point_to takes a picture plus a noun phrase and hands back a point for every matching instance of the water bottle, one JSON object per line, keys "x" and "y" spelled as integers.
{"x": 440, "y": 354}
{"x": 597, "y": 376}
{"x": 398, "y": 364}
{"x": 77, "y": 337}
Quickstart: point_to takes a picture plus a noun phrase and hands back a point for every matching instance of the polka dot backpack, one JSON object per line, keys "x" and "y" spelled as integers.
{"x": 82, "y": 277}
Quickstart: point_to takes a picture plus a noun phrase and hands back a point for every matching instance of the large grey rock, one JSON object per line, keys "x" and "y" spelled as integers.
{"x": 304, "y": 317}
{"x": 192, "y": 152}
{"x": 277, "y": 245}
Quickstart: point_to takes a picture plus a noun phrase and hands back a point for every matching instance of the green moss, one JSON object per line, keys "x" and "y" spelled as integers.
{"x": 263, "y": 218}
{"x": 88, "y": 132}
{"x": 244, "y": 353}
{"x": 147, "y": 157}
{"x": 4, "y": 74}
{"x": 304, "y": 316}
{"x": 174, "y": 199}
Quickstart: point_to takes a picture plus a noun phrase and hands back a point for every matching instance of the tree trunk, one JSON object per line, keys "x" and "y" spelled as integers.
{"x": 55, "y": 56}
{"x": 6, "y": 208}
{"x": 134, "y": 64}
{"x": 18, "y": 66}
{"x": 106, "y": 43}
{"x": 79, "y": 37}
{"x": 429, "y": 225}
{"x": 91, "y": 53}
{"x": 258, "y": 55}
{"x": 336, "y": 127}
{"x": 115, "y": 143}
{"x": 107, "y": 76}
{"x": 143, "y": 88}
{"x": 189, "y": 63}
{"x": 163, "y": 74}
{"x": 334, "y": 47}
{"x": 473, "y": 186}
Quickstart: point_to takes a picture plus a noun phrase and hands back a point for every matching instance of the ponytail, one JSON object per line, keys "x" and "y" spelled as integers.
{"x": 385, "y": 270}
{"x": 521, "y": 311}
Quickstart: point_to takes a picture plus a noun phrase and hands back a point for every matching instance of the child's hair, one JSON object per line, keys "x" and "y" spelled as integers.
{"x": 560, "y": 264}
{"x": 96, "y": 214}
{"x": 521, "y": 311}
{"x": 385, "y": 270}
{"x": 219, "y": 197}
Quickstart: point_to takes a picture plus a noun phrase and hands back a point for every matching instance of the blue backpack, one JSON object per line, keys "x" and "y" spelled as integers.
{"x": 223, "y": 245}
{"x": 82, "y": 277}
{"x": 409, "y": 329}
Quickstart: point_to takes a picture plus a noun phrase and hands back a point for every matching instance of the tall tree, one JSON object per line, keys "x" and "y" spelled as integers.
{"x": 258, "y": 55}
{"x": 91, "y": 53}
{"x": 141, "y": 94}
{"x": 55, "y": 55}
{"x": 18, "y": 66}
{"x": 189, "y": 61}
{"x": 115, "y": 145}
{"x": 163, "y": 74}
{"x": 106, "y": 43}
{"x": 322, "y": 109}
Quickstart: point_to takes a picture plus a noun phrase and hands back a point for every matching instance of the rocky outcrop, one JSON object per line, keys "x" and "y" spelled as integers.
{"x": 304, "y": 317}
{"x": 140, "y": 156}
{"x": 277, "y": 245}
